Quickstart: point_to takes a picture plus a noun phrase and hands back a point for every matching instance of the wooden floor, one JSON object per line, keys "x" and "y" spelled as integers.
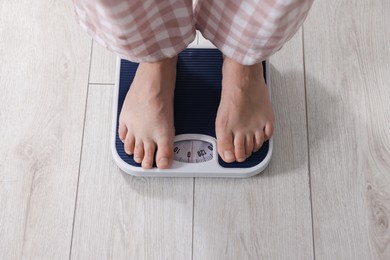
{"x": 325, "y": 195}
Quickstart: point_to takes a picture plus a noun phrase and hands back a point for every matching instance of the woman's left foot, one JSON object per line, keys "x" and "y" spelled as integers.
{"x": 245, "y": 118}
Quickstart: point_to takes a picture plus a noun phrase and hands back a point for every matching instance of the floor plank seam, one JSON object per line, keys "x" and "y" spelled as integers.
{"x": 193, "y": 218}
{"x": 81, "y": 153}
{"x": 101, "y": 84}
{"x": 308, "y": 144}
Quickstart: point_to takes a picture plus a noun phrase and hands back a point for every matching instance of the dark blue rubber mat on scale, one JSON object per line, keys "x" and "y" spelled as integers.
{"x": 197, "y": 96}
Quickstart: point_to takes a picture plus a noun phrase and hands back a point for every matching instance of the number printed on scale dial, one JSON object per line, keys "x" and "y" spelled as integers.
{"x": 193, "y": 151}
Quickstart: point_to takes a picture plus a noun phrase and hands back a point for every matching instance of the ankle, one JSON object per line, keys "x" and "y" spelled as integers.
{"x": 241, "y": 67}
{"x": 241, "y": 78}
{"x": 164, "y": 62}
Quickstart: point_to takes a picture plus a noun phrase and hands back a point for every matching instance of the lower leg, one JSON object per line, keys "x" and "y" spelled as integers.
{"x": 149, "y": 32}
{"x": 138, "y": 30}
{"x": 247, "y": 32}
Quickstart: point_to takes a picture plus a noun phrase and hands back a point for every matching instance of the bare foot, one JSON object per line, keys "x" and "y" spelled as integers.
{"x": 146, "y": 119}
{"x": 245, "y": 118}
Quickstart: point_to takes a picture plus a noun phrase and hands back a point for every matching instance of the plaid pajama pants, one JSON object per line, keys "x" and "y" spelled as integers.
{"x": 247, "y": 31}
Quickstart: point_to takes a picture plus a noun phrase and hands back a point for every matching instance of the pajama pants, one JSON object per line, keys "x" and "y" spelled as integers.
{"x": 247, "y": 31}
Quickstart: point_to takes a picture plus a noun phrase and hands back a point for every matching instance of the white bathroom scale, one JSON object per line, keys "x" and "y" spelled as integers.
{"x": 197, "y": 96}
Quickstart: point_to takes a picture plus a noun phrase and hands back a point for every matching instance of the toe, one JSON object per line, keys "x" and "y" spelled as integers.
{"x": 268, "y": 130}
{"x": 248, "y": 145}
{"x": 259, "y": 139}
{"x": 129, "y": 144}
{"x": 164, "y": 154}
{"x": 226, "y": 148}
{"x": 138, "y": 151}
{"x": 239, "y": 147}
{"x": 122, "y": 132}
{"x": 147, "y": 161}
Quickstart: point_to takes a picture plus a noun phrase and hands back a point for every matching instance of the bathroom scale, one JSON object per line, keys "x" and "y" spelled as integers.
{"x": 197, "y": 96}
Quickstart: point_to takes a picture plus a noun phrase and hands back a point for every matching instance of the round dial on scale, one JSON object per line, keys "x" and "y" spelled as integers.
{"x": 193, "y": 151}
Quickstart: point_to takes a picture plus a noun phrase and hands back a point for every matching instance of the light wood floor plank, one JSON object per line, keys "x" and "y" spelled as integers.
{"x": 123, "y": 217}
{"x": 43, "y": 81}
{"x": 268, "y": 216}
{"x": 103, "y": 66}
{"x": 348, "y": 73}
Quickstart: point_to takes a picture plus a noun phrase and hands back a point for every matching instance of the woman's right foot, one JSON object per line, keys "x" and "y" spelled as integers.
{"x": 146, "y": 119}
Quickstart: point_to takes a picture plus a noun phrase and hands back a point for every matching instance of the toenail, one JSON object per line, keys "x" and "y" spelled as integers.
{"x": 137, "y": 159}
{"x": 147, "y": 165}
{"x": 163, "y": 162}
{"x": 241, "y": 159}
{"x": 228, "y": 155}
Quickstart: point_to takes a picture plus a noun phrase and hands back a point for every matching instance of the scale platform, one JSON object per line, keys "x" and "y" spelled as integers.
{"x": 197, "y": 96}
